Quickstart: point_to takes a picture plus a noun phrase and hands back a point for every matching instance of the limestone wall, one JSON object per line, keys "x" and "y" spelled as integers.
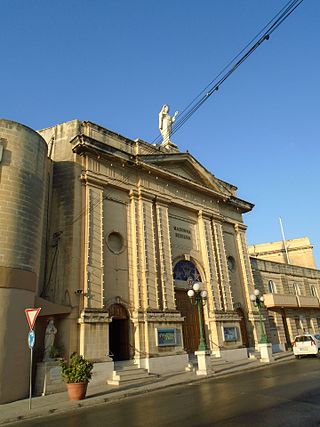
{"x": 23, "y": 171}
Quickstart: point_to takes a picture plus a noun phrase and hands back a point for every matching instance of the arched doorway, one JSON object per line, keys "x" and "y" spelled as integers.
{"x": 119, "y": 333}
{"x": 185, "y": 274}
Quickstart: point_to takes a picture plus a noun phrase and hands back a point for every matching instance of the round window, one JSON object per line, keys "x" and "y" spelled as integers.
{"x": 114, "y": 241}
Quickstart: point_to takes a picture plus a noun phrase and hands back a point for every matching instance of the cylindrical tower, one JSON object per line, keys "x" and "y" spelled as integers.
{"x": 23, "y": 166}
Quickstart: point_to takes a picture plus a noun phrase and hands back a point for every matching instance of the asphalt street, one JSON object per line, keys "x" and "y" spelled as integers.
{"x": 280, "y": 395}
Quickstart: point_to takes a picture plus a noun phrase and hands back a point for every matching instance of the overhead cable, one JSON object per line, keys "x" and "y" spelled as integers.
{"x": 230, "y": 68}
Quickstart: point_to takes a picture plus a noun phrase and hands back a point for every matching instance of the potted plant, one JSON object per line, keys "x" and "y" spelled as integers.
{"x": 76, "y": 374}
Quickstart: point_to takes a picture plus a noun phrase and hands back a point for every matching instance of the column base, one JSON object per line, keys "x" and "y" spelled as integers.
{"x": 266, "y": 353}
{"x": 204, "y": 362}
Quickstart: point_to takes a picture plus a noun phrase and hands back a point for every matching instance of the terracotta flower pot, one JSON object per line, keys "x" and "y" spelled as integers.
{"x": 77, "y": 391}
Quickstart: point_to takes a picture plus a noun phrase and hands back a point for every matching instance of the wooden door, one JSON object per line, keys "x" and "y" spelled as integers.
{"x": 190, "y": 326}
{"x": 243, "y": 327}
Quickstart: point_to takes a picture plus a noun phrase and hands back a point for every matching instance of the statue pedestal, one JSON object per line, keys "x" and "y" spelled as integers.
{"x": 204, "y": 362}
{"x": 266, "y": 353}
{"x": 48, "y": 378}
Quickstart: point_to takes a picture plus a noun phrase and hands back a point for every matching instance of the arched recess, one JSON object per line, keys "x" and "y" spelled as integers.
{"x": 119, "y": 332}
{"x": 185, "y": 273}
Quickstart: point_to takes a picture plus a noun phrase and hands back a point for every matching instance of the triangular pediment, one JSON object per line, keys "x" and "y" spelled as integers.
{"x": 185, "y": 166}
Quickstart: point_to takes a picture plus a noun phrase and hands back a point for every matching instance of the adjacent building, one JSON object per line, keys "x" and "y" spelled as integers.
{"x": 285, "y": 273}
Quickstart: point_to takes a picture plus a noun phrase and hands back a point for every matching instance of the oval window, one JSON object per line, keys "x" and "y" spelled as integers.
{"x": 115, "y": 243}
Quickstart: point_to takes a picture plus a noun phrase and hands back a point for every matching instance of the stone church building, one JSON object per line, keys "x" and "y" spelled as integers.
{"x": 107, "y": 234}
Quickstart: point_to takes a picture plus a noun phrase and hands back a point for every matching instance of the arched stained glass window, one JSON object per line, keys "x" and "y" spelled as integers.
{"x": 186, "y": 270}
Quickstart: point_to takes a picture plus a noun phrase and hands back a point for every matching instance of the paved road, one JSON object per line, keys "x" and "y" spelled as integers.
{"x": 282, "y": 395}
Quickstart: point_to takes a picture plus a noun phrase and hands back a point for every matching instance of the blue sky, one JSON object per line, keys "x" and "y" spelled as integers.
{"x": 117, "y": 62}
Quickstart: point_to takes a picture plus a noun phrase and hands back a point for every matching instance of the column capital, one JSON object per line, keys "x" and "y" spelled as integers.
{"x": 240, "y": 227}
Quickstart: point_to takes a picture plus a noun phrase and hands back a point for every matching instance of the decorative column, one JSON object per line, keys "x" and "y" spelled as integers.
{"x": 246, "y": 275}
{"x": 209, "y": 262}
{"x": 134, "y": 253}
{"x": 226, "y": 294}
{"x": 144, "y": 271}
{"x": 94, "y": 246}
{"x": 94, "y": 320}
{"x": 165, "y": 256}
{"x": 143, "y": 274}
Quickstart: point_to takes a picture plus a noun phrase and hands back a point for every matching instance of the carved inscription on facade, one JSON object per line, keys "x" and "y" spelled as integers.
{"x": 181, "y": 233}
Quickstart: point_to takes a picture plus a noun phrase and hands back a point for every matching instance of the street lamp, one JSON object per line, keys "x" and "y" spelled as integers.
{"x": 198, "y": 298}
{"x": 258, "y": 302}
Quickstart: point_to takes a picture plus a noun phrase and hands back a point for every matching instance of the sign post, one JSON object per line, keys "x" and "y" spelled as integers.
{"x": 31, "y": 314}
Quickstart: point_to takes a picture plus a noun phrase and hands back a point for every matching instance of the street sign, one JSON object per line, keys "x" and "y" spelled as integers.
{"x": 31, "y": 338}
{"x": 32, "y": 314}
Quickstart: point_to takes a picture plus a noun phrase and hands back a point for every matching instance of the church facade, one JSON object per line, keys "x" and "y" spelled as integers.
{"x": 139, "y": 224}
{"x": 107, "y": 235}
{"x": 119, "y": 231}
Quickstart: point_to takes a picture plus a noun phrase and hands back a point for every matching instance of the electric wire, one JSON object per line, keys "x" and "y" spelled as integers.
{"x": 268, "y": 29}
{"x": 226, "y": 72}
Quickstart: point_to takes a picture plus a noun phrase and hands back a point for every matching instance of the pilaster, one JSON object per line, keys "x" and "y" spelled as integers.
{"x": 133, "y": 253}
{"x": 143, "y": 253}
{"x": 94, "y": 246}
{"x": 209, "y": 262}
{"x": 246, "y": 272}
{"x": 94, "y": 334}
{"x": 165, "y": 255}
{"x": 225, "y": 286}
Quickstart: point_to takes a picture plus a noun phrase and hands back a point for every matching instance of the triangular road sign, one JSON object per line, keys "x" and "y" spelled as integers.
{"x": 32, "y": 314}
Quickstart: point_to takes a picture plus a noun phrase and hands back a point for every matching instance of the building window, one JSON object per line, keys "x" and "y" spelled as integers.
{"x": 271, "y": 287}
{"x": 298, "y": 324}
{"x": 187, "y": 271}
{"x": 296, "y": 289}
{"x": 309, "y": 327}
{"x": 272, "y": 323}
{"x": 313, "y": 291}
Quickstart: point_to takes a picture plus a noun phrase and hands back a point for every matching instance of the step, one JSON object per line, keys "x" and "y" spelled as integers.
{"x": 283, "y": 355}
{"x": 127, "y": 375}
{"x": 134, "y": 381}
{"x": 131, "y": 375}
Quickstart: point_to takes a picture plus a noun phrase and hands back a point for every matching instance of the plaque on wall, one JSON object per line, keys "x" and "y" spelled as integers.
{"x": 166, "y": 337}
{"x": 230, "y": 334}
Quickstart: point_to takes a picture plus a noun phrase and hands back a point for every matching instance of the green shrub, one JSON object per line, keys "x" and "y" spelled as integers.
{"x": 78, "y": 370}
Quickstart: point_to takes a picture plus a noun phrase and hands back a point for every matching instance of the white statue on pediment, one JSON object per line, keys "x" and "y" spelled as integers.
{"x": 165, "y": 125}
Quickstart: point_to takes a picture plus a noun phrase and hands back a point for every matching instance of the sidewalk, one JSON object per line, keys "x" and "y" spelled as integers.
{"x": 58, "y": 403}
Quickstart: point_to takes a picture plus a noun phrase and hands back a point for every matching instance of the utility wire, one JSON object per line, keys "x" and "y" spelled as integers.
{"x": 212, "y": 87}
{"x": 229, "y": 69}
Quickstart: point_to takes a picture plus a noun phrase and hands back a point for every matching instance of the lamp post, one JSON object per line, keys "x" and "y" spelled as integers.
{"x": 258, "y": 302}
{"x": 198, "y": 298}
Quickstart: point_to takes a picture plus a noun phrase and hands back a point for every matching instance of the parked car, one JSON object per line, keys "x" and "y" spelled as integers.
{"x": 306, "y": 344}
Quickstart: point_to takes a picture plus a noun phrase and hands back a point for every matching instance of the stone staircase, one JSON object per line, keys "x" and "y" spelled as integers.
{"x": 283, "y": 355}
{"x": 128, "y": 374}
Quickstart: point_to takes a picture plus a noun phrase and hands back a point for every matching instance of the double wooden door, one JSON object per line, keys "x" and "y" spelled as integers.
{"x": 190, "y": 327}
